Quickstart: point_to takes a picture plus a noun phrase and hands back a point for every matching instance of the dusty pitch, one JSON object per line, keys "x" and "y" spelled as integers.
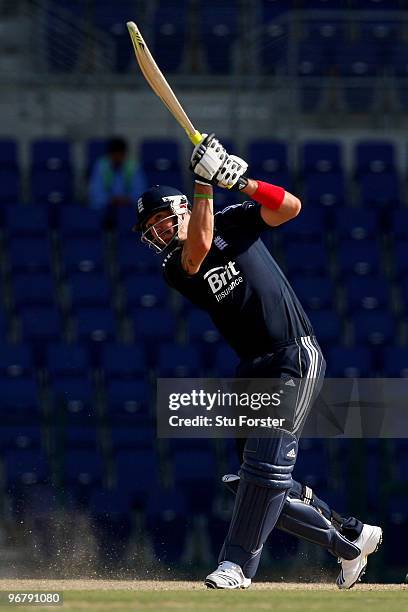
{"x": 158, "y": 585}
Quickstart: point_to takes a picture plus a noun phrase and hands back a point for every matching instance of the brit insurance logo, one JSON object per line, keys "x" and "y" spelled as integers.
{"x": 223, "y": 279}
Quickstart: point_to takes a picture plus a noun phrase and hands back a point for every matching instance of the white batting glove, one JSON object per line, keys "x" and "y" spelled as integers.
{"x": 207, "y": 158}
{"x": 231, "y": 173}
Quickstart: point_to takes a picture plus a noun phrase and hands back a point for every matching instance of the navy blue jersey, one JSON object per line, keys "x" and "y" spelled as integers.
{"x": 241, "y": 286}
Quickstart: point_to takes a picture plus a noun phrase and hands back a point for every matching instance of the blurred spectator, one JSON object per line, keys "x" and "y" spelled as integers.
{"x": 116, "y": 178}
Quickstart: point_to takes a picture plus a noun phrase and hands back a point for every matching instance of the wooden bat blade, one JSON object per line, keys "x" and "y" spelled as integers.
{"x": 158, "y": 83}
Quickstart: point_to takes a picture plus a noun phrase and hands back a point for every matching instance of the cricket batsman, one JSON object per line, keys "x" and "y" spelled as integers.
{"x": 219, "y": 262}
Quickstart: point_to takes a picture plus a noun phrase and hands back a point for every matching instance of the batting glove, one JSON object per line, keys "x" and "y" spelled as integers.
{"x": 231, "y": 173}
{"x": 207, "y": 158}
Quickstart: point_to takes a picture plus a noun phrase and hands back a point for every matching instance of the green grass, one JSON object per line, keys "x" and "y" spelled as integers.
{"x": 202, "y": 600}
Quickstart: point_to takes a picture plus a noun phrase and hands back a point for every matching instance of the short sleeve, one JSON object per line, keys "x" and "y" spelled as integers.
{"x": 242, "y": 218}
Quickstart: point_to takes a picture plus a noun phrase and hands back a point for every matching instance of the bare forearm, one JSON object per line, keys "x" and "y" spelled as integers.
{"x": 201, "y": 226}
{"x": 200, "y": 229}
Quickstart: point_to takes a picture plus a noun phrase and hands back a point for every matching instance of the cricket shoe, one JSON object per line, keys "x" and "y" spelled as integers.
{"x": 227, "y": 576}
{"x": 368, "y": 542}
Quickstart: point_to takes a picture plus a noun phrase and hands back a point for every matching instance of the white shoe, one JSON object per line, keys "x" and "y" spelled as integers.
{"x": 227, "y": 576}
{"x": 352, "y": 571}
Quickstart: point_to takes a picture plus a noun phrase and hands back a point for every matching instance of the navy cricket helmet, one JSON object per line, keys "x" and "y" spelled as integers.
{"x": 157, "y": 198}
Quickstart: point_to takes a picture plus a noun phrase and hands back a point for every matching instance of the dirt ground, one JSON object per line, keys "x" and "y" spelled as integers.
{"x": 158, "y": 585}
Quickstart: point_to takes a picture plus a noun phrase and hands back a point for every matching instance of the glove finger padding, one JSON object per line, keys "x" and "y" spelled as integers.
{"x": 230, "y": 172}
{"x": 207, "y": 158}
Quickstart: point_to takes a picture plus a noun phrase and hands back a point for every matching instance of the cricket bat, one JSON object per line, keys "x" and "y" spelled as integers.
{"x": 158, "y": 83}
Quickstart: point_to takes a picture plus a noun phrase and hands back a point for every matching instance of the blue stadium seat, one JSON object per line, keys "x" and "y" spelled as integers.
{"x": 74, "y": 397}
{"x": 367, "y": 292}
{"x": 178, "y": 361}
{"x": 112, "y": 18}
{"x": 374, "y": 327}
{"x": 399, "y": 224}
{"x": 29, "y": 255}
{"x": 144, "y": 290}
{"x": 381, "y": 5}
{"x": 359, "y": 59}
{"x": 380, "y": 33}
{"x": 79, "y": 222}
{"x": 328, "y": 33}
{"x": 326, "y": 5}
{"x": 314, "y": 292}
{"x": 122, "y": 361}
{"x": 66, "y": 360}
{"x": 312, "y": 65}
{"x": 110, "y": 511}
{"x": 95, "y": 148}
{"x": 9, "y": 185}
{"x": 327, "y": 326}
{"x": 15, "y": 360}
{"x": 4, "y": 326}
{"x": 273, "y": 8}
{"x": 200, "y": 328}
{"x": 82, "y": 467}
{"x": 52, "y": 155}
{"x": 349, "y": 362}
{"x": 307, "y": 227}
{"x": 357, "y": 224}
{"x": 91, "y": 289}
{"x": 125, "y": 220}
{"x": 325, "y": 189}
{"x": 26, "y": 222}
{"x": 76, "y": 437}
{"x": 153, "y": 324}
{"x": 399, "y": 67}
{"x": 274, "y": 43}
{"x": 51, "y": 187}
{"x": 160, "y": 155}
{"x": 376, "y": 156}
{"x": 306, "y": 259}
{"x": 126, "y": 399}
{"x": 166, "y": 514}
{"x": 133, "y": 256}
{"x": 195, "y": 471}
{"x": 51, "y": 173}
{"x": 362, "y": 257}
{"x": 8, "y": 154}
{"x": 109, "y": 503}
{"x": 403, "y": 287}
{"x": 33, "y": 290}
{"x": 401, "y": 258}
{"x": 169, "y": 38}
{"x": 95, "y": 323}
{"x": 140, "y": 435}
{"x": 83, "y": 255}
{"x": 219, "y": 30}
{"x": 320, "y": 156}
{"x": 20, "y": 402}
{"x": 40, "y": 323}
{"x": 21, "y": 437}
{"x": 225, "y": 362}
{"x": 380, "y": 190}
{"x": 395, "y": 362}
{"x": 136, "y": 474}
{"x": 270, "y": 156}
{"x": 25, "y": 467}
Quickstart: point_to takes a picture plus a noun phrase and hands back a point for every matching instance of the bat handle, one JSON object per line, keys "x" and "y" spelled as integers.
{"x": 195, "y": 138}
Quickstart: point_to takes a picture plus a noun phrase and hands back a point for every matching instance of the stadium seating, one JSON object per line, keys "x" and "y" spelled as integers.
{"x": 9, "y": 172}
{"x": 75, "y": 396}
{"x": 169, "y": 37}
{"x": 66, "y": 360}
{"x": 218, "y": 29}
